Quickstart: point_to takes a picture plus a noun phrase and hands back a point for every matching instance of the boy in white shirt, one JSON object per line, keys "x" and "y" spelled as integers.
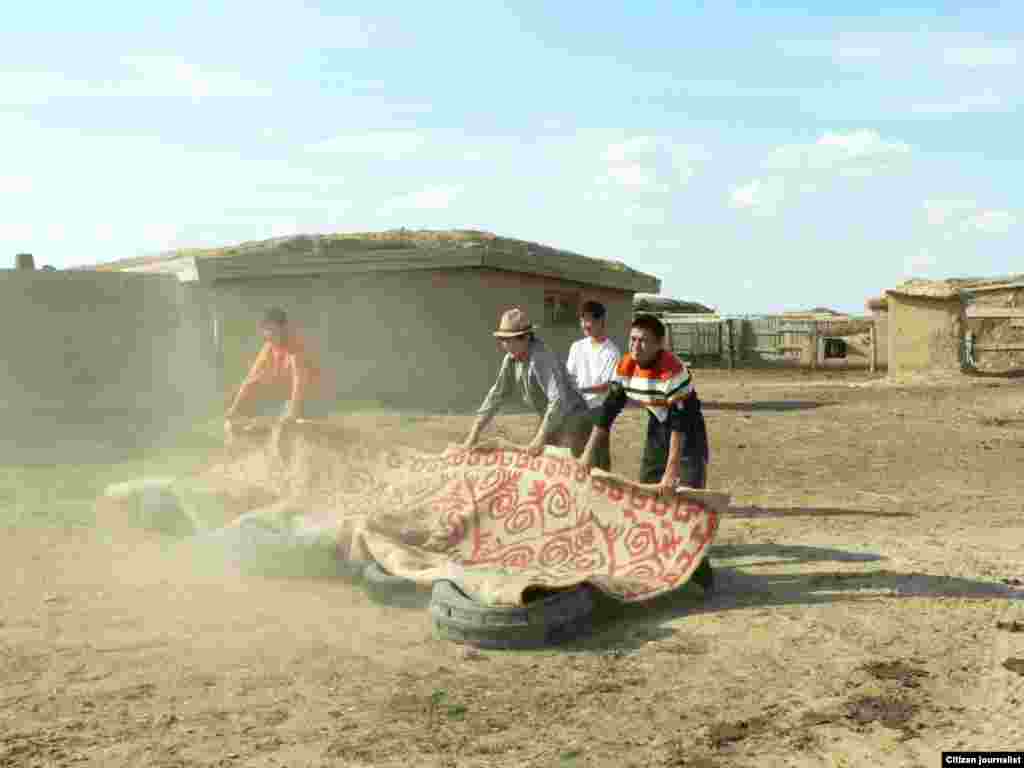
{"x": 591, "y": 366}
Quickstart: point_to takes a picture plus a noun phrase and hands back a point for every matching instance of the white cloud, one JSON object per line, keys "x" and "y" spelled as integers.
{"x": 904, "y": 49}
{"x": 803, "y": 169}
{"x": 56, "y": 232}
{"x": 25, "y": 89}
{"x": 863, "y": 143}
{"x": 919, "y": 264}
{"x": 284, "y": 228}
{"x": 939, "y": 212}
{"x": 976, "y": 58}
{"x": 631, "y": 175}
{"x": 16, "y": 234}
{"x": 104, "y": 232}
{"x": 761, "y": 197}
{"x": 649, "y": 161}
{"x": 866, "y": 48}
{"x": 989, "y": 222}
{"x": 170, "y": 76}
{"x": 375, "y": 143}
{"x": 159, "y": 237}
{"x": 857, "y": 153}
{"x": 15, "y": 185}
{"x": 967, "y": 217}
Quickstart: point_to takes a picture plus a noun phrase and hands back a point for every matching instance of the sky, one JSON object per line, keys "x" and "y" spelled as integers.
{"x": 753, "y": 156}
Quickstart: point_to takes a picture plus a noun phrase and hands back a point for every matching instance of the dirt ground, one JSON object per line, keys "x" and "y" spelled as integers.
{"x": 869, "y": 581}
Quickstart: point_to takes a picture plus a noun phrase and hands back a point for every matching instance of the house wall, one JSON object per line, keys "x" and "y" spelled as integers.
{"x": 97, "y": 362}
{"x": 882, "y": 338}
{"x": 420, "y": 339}
{"x": 924, "y": 334}
{"x": 1006, "y": 333}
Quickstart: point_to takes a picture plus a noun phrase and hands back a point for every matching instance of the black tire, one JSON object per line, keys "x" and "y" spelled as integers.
{"x": 556, "y": 618}
{"x": 384, "y": 587}
{"x": 704, "y": 576}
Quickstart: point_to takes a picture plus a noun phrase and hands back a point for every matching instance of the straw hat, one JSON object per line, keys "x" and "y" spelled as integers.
{"x": 513, "y": 323}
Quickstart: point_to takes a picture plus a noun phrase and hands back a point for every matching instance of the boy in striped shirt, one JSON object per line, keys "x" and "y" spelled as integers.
{"x": 676, "y": 449}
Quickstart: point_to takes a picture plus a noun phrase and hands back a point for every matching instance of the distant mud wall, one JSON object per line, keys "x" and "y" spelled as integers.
{"x": 998, "y": 341}
{"x": 99, "y": 364}
{"x": 924, "y": 334}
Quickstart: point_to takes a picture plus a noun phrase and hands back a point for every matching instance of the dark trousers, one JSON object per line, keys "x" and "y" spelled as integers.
{"x": 574, "y": 432}
{"x": 603, "y": 450}
{"x": 692, "y": 470}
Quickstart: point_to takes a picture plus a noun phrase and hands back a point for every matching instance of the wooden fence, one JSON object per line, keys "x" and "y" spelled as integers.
{"x": 772, "y": 340}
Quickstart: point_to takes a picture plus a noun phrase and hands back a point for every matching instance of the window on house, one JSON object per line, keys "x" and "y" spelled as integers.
{"x": 561, "y": 309}
{"x": 835, "y": 348}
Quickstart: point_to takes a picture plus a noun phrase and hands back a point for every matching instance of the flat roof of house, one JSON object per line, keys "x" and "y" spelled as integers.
{"x": 646, "y": 302}
{"x": 953, "y": 287}
{"x": 391, "y": 250}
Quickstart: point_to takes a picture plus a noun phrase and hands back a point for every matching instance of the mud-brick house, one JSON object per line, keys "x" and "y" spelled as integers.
{"x": 403, "y": 316}
{"x": 878, "y": 307}
{"x": 994, "y": 319}
{"x": 926, "y": 326}
{"x": 962, "y": 323}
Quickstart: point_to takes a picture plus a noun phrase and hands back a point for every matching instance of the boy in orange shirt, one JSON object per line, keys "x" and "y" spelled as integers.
{"x": 285, "y": 369}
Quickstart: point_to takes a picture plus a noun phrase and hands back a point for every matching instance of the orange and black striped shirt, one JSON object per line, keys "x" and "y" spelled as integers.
{"x": 667, "y": 382}
{"x": 667, "y": 391}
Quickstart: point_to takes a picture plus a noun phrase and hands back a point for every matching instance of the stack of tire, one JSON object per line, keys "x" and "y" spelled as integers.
{"x": 160, "y": 505}
{"x": 550, "y": 618}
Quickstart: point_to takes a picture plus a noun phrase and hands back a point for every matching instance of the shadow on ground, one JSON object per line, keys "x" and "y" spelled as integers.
{"x": 756, "y": 512}
{"x": 624, "y": 627}
{"x": 1015, "y": 373}
{"x": 784, "y": 554}
{"x": 763, "y": 405}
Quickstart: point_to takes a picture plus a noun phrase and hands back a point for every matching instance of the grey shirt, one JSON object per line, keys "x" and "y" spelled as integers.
{"x": 542, "y": 382}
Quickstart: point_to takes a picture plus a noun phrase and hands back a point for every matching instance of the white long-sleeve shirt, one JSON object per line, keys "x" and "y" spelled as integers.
{"x": 592, "y": 364}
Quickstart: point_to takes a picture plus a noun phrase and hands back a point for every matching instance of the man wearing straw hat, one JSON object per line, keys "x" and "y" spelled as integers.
{"x": 533, "y": 372}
